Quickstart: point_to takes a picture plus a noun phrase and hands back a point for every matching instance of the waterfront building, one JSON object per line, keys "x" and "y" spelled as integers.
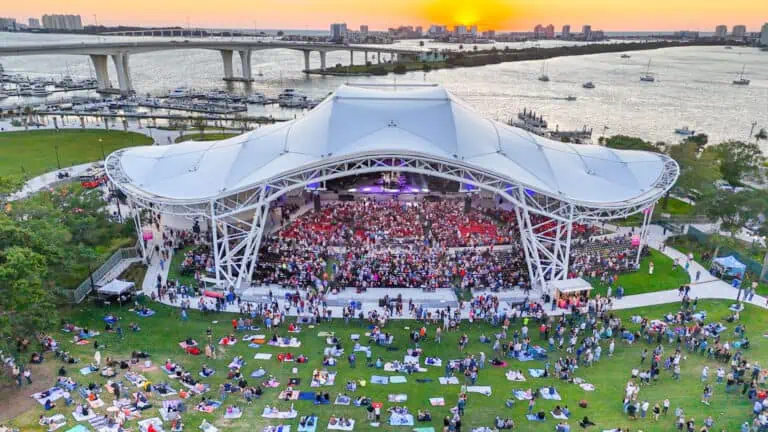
{"x": 489, "y": 34}
{"x": 473, "y": 30}
{"x": 739, "y": 32}
{"x": 721, "y": 32}
{"x": 687, "y": 35}
{"x": 538, "y": 31}
{"x": 566, "y": 33}
{"x": 364, "y": 29}
{"x": 587, "y": 32}
{"x": 437, "y": 30}
{"x": 419, "y": 31}
{"x": 338, "y": 32}
{"x": 7, "y": 24}
{"x": 459, "y": 30}
{"x": 549, "y": 32}
{"x": 34, "y": 23}
{"x": 62, "y": 22}
{"x": 764, "y": 35}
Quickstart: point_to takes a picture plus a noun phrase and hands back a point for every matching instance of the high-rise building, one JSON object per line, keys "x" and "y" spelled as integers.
{"x": 473, "y": 30}
{"x": 549, "y": 31}
{"x": 566, "y": 34}
{"x": 435, "y": 30}
{"x": 764, "y": 35}
{"x": 7, "y": 24}
{"x": 34, "y": 23}
{"x": 62, "y": 22}
{"x": 721, "y": 32}
{"x": 739, "y": 31}
{"x": 419, "y": 30}
{"x": 538, "y": 31}
{"x": 460, "y": 30}
{"x": 338, "y": 32}
{"x": 364, "y": 29}
{"x": 587, "y": 31}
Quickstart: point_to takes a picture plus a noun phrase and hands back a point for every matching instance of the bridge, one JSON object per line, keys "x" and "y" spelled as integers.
{"x": 120, "y": 53}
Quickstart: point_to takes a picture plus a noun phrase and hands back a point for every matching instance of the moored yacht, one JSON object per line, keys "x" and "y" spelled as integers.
{"x": 257, "y": 98}
{"x": 742, "y": 81}
{"x": 588, "y": 85}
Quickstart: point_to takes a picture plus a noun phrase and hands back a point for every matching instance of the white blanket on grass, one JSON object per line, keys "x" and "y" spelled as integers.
{"x": 446, "y": 381}
{"x": 338, "y": 426}
{"x": 484, "y": 390}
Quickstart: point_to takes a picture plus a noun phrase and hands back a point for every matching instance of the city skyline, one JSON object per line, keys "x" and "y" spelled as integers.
{"x": 500, "y": 15}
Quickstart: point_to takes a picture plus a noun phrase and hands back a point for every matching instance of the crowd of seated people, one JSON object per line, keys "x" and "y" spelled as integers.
{"x": 597, "y": 258}
{"x": 196, "y": 260}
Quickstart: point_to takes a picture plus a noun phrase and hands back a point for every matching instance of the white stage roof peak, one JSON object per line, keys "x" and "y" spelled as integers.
{"x": 422, "y": 121}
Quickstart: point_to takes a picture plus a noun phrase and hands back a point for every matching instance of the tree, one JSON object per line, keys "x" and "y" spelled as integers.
{"x": 8, "y": 185}
{"x": 623, "y": 142}
{"x": 698, "y": 169}
{"x": 733, "y": 210}
{"x": 761, "y": 135}
{"x": 699, "y": 139}
{"x": 737, "y": 159}
{"x": 400, "y": 69}
{"x": 200, "y": 124}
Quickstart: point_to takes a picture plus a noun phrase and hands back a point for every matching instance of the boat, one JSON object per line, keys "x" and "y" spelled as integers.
{"x": 742, "y": 81}
{"x": 528, "y": 120}
{"x": 626, "y": 56}
{"x": 180, "y": 92}
{"x": 684, "y": 131}
{"x": 544, "y": 77}
{"x": 257, "y": 98}
{"x": 570, "y": 98}
{"x": 648, "y": 77}
{"x": 217, "y": 95}
{"x": 729, "y": 47}
{"x": 588, "y": 85}
{"x": 290, "y": 98}
{"x": 40, "y": 91}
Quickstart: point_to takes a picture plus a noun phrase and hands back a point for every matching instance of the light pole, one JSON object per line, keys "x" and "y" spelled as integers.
{"x": 58, "y": 161}
{"x": 101, "y": 144}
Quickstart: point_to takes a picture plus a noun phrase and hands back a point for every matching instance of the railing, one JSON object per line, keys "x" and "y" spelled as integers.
{"x": 79, "y": 293}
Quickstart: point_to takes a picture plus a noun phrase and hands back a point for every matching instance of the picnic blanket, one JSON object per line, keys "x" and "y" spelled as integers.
{"x": 275, "y": 414}
{"x": 309, "y": 424}
{"x": 255, "y": 337}
{"x": 154, "y": 421}
{"x": 87, "y": 370}
{"x": 338, "y": 426}
{"x": 433, "y": 361}
{"x": 397, "y": 398}
{"x": 377, "y": 379}
{"x": 423, "y": 429}
{"x": 207, "y": 427}
{"x": 484, "y": 390}
{"x": 164, "y": 390}
{"x": 258, "y": 373}
{"x": 78, "y": 428}
{"x": 81, "y": 418}
{"x": 521, "y": 395}
{"x": 411, "y": 359}
{"x": 329, "y": 380}
{"x": 536, "y": 373}
{"x": 398, "y": 379}
{"x": 278, "y": 428}
{"x": 237, "y": 363}
{"x": 446, "y": 381}
{"x": 515, "y": 376}
{"x": 534, "y": 417}
{"x": 401, "y": 419}
{"x": 209, "y": 406}
{"x": 262, "y": 356}
{"x": 587, "y": 386}
{"x": 342, "y": 400}
{"x": 227, "y": 341}
{"x": 437, "y": 401}
{"x": 96, "y": 403}
{"x": 135, "y": 379}
{"x": 54, "y": 422}
{"x": 234, "y": 414}
{"x": 561, "y": 416}
{"x": 145, "y": 313}
{"x": 292, "y": 343}
{"x": 323, "y": 334}
{"x": 168, "y": 415}
{"x": 549, "y": 393}
{"x": 53, "y": 394}
{"x": 294, "y": 395}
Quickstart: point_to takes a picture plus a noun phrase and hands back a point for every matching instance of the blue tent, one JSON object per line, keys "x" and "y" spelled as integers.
{"x": 730, "y": 266}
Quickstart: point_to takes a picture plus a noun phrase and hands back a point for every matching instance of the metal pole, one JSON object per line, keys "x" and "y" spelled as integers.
{"x": 58, "y": 161}
{"x": 647, "y": 214}
{"x": 216, "y": 258}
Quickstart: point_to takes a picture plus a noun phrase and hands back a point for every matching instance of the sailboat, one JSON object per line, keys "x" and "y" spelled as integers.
{"x": 741, "y": 81}
{"x": 648, "y": 77}
{"x": 544, "y": 77}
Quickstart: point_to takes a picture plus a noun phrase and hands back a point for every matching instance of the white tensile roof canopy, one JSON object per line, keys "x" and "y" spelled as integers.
{"x": 426, "y": 121}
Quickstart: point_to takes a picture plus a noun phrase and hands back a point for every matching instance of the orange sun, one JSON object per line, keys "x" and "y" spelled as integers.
{"x": 486, "y": 14}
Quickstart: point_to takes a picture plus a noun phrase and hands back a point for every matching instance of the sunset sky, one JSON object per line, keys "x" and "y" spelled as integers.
{"x": 611, "y": 15}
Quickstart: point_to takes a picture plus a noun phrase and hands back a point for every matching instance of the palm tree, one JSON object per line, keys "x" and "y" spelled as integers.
{"x": 761, "y": 135}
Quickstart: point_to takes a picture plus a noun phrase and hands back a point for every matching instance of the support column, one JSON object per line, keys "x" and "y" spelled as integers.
{"x": 306, "y": 60}
{"x": 365, "y": 53}
{"x": 647, "y": 216}
{"x": 378, "y": 57}
{"x": 127, "y": 69}
{"x": 102, "y": 72}
{"x": 322, "y": 60}
{"x": 245, "y": 59}
{"x": 351, "y": 58}
{"x": 226, "y": 57}
{"x": 122, "y": 77}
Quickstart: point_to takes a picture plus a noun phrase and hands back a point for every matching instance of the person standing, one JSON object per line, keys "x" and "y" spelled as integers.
{"x": 28, "y": 375}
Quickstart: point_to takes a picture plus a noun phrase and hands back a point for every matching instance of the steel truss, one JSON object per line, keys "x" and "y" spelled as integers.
{"x": 239, "y": 218}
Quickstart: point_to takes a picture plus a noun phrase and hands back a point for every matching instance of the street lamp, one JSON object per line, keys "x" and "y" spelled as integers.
{"x": 58, "y": 161}
{"x": 101, "y": 144}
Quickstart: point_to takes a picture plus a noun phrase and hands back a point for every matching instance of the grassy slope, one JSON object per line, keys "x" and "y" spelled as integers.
{"x": 162, "y": 332}
{"x": 675, "y": 207}
{"x": 639, "y": 282}
{"x": 35, "y": 152}
{"x": 210, "y": 136}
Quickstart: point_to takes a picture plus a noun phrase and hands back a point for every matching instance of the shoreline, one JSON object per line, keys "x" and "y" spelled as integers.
{"x": 495, "y": 56}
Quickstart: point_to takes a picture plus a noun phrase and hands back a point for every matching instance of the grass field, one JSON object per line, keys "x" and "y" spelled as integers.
{"x": 675, "y": 208}
{"x": 161, "y": 334}
{"x": 205, "y": 137}
{"x": 639, "y": 282}
{"x": 34, "y": 152}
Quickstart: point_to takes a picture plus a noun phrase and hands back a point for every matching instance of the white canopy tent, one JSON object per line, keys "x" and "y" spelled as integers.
{"x": 359, "y": 130}
{"x": 115, "y": 288}
{"x": 568, "y": 286}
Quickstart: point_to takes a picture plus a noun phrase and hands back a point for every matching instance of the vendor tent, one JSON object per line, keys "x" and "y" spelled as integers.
{"x": 729, "y": 266}
{"x": 569, "y": 286}
{"x": 116, "y": 287}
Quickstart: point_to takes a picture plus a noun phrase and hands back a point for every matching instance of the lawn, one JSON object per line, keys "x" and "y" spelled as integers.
{"x": 161, "y": 334}
{"x": 205, "y": 137}
{"x": 639, "y": 282}
{"x": 34, "y": 152}
{"x": 675, "y": 208}
{"x": 175, "y": 267}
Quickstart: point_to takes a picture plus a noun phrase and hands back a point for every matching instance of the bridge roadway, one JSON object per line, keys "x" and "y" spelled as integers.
{"x": 120, "y": 53}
